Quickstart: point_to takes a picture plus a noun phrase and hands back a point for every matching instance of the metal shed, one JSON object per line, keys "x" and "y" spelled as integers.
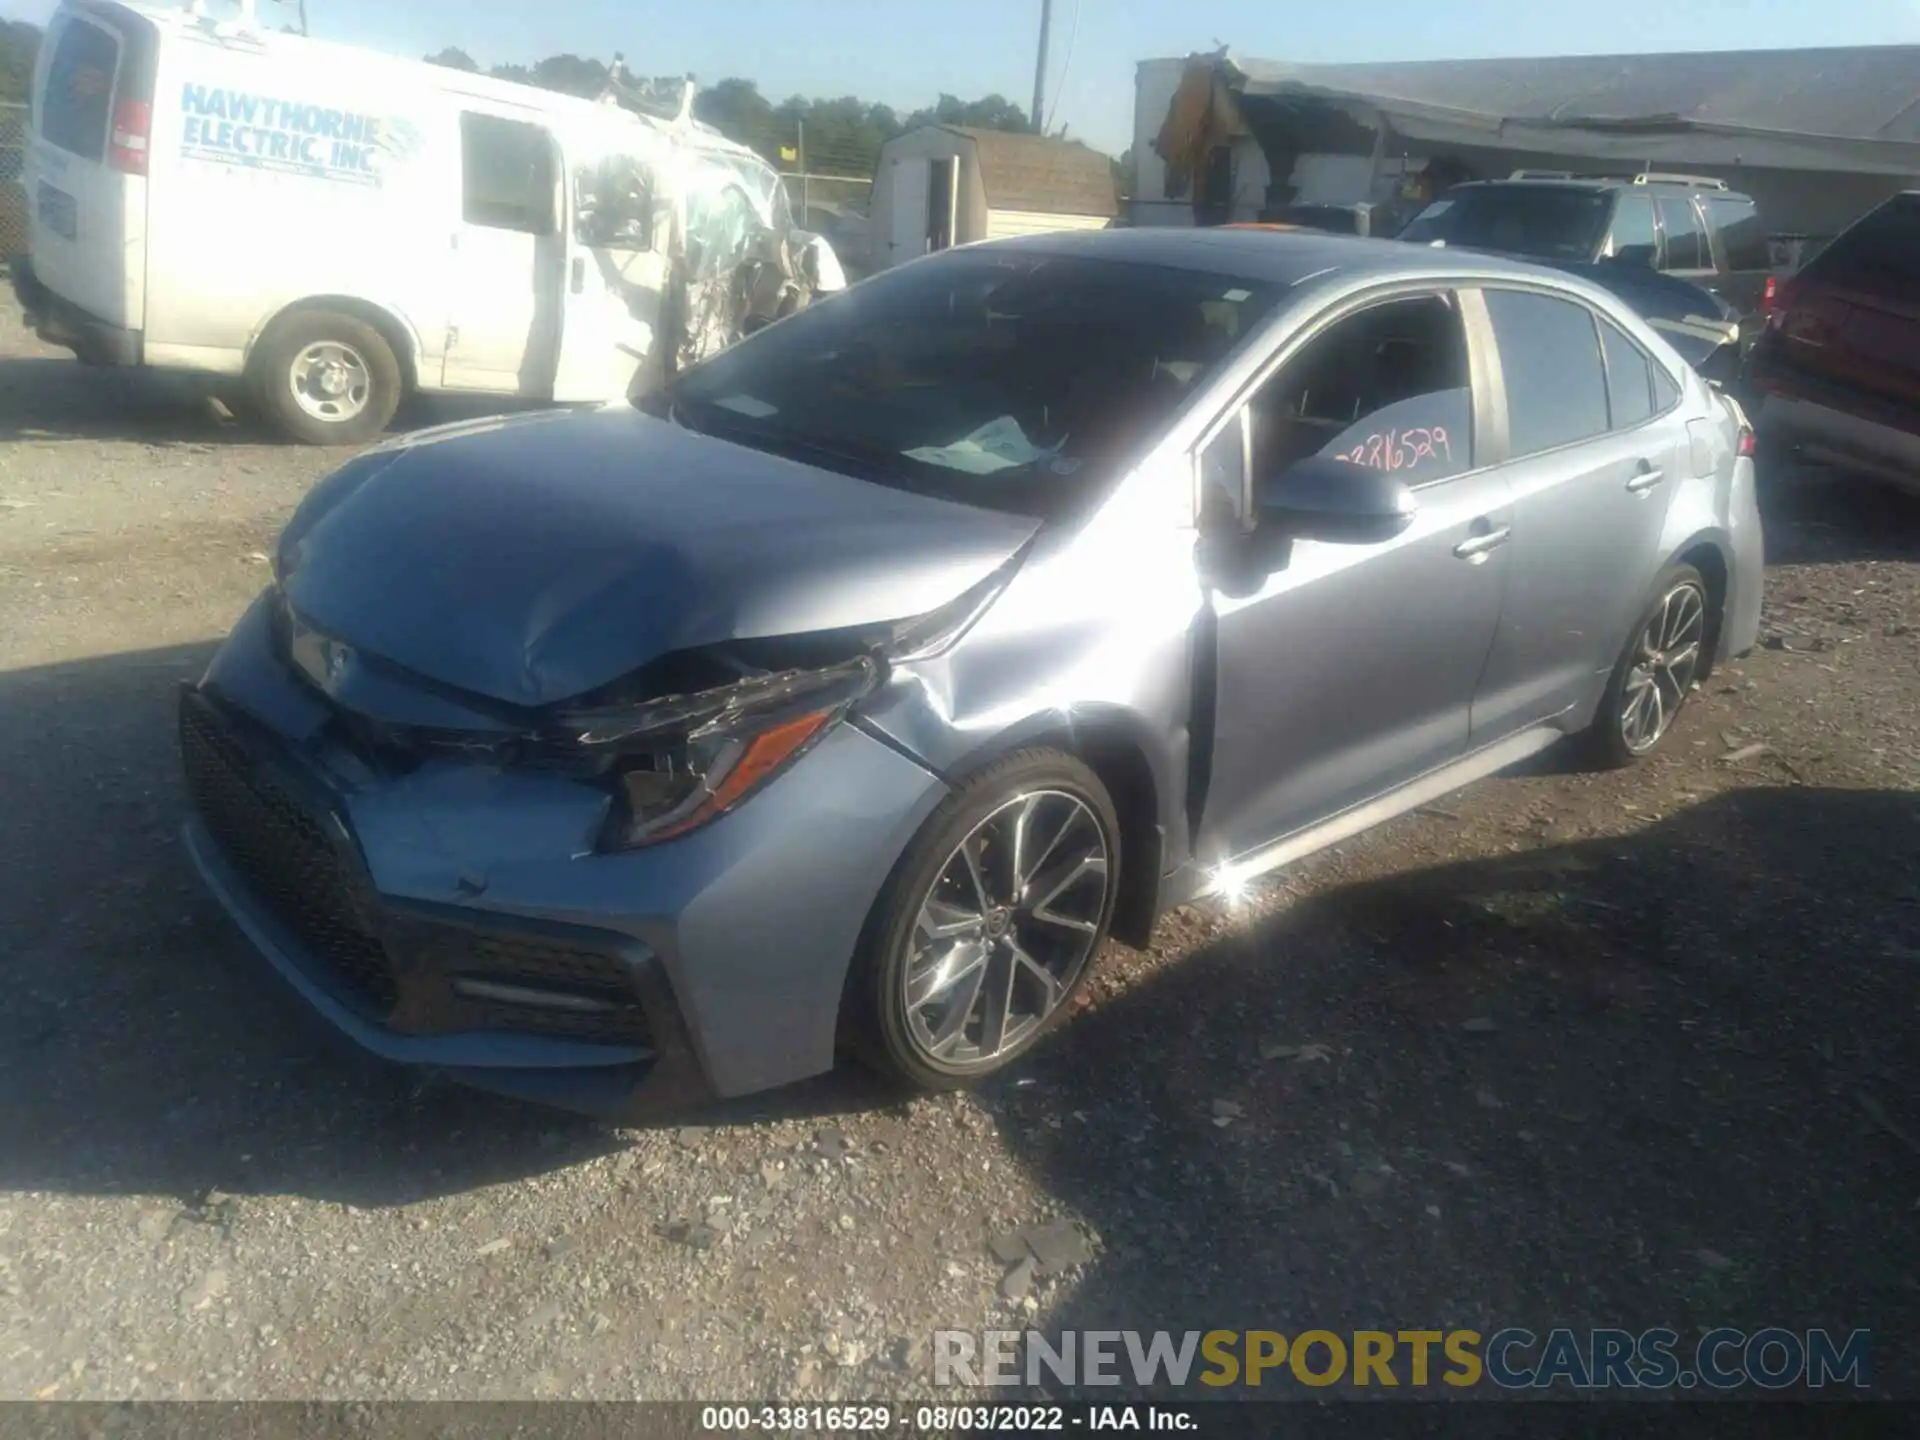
{"x": 942, "y": 185}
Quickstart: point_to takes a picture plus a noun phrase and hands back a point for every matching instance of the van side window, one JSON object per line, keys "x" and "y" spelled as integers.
{"x": 507, "y": 174}
{"x": 78, "y": 104}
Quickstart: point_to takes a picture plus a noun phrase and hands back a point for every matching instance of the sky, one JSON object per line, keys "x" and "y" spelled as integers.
{"x": 905, "y": 52}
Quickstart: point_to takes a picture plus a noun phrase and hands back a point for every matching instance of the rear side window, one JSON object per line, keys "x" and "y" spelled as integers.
{"x": 1550, "y": 358}
{"x": 1683, "y": 234}
{"x": 1666, "y": 394}
{"x": 1882, "y": 252}
{"x": 1740, "y": 233}
{"x": 1633, "y": 238}
{"x": 507, "y": 174}
{"x": 77, "y": 108}
{"x": 1629, "y": 378}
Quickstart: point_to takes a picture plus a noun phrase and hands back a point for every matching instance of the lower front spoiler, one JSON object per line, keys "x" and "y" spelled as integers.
{"x": 615, "y": 1083}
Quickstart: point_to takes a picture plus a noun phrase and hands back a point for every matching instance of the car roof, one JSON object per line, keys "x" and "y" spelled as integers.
{"x": 1598, "y": 182}
{"x": 1274, "y": 257}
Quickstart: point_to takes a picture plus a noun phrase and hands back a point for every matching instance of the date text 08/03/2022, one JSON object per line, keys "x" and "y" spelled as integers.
{"x": 942, "y": 1419}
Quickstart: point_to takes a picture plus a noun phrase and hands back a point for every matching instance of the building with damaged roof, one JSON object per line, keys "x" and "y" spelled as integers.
{"x": 1817, "y": 136}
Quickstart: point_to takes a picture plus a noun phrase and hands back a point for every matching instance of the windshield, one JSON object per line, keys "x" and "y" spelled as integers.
{"x": 1544, "y": 221}
{"x": 1011, "y": 380}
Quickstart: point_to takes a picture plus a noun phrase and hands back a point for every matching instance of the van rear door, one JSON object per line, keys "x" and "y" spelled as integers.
{"x": 87, "y": 160}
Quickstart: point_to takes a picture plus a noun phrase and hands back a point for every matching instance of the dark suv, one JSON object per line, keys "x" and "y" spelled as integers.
{"x": 1686, "y": 226}
{"x": 1839, "y": 359}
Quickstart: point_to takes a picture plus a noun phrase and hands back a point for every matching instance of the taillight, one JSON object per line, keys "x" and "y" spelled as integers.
{"x": 132, "y": 128}
{"x": 1777, "y": 297}
{"x": 1746, "y": 446}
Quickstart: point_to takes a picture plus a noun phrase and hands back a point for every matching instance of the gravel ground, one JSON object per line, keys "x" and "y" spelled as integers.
{"x": 1620, "y": 1050}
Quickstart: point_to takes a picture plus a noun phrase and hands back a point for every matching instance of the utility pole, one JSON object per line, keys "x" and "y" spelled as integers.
{"x": 1040, "y": 70}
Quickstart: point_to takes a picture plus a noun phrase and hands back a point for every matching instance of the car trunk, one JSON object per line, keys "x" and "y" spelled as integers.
{"x": 86, "y": 175}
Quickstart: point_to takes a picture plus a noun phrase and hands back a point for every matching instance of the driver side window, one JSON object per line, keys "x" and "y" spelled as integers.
{"x": 1387, "y": 387}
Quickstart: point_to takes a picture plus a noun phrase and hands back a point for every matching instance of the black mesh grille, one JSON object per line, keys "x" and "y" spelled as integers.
{"x": 555, "y": 965}
{"x": 283, "y": 854}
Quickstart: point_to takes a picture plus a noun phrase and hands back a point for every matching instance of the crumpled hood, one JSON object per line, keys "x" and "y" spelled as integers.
{"x": 533, "y": 559}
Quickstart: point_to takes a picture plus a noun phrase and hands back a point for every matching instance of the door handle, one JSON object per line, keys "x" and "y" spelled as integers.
{"x": 1645, "y": 478}
{"x": 579, "y": 273}
{"x": 1477, "y": 547}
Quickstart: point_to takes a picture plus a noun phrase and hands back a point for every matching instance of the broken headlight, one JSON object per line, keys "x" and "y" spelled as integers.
{"x": 683, "y": 760}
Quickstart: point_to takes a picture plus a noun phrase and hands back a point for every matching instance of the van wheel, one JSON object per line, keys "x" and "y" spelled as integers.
{"x": 327, "y": 379}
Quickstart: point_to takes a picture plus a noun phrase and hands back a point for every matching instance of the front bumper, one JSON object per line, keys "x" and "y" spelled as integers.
{"x": 60, "y": 322}
{"x": 716, "y": 963}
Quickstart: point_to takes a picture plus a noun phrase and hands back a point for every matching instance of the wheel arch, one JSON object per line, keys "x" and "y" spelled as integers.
{"x": 1116, "y": 746}
{"x": 1709, "y": 552}
{"x": 391, "y": 326}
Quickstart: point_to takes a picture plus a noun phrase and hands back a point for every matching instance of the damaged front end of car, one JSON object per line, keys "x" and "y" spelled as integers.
{"x": 673, "y": 746}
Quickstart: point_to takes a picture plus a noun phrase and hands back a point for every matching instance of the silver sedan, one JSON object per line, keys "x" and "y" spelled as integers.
{"x": 846, "y": 694}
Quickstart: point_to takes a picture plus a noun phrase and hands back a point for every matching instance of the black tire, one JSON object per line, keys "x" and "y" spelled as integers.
{"x": 374, "y": 381}
{"x": 881, "y": 1034}
{"x": 1609, "y": 742}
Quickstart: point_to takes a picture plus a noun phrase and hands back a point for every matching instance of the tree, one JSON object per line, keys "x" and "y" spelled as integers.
{"x": 996, "y": 112}
{"x": 1123, "y": 173}
{"x": 19, "y": 44}
{"x": 570, "y": 75}
{"x": 454, "y": 58}
{"x": 840, "y": 136}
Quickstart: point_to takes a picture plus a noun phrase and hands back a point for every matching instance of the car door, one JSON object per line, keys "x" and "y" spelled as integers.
{"x": 1345, "y": 669}
{"x": 503, "y": 322}
{"x": 1595, "y": 443}
{"x": 611, "y": 342}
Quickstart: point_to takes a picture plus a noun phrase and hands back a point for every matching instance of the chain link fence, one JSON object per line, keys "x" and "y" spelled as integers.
{"x": 13, "y": 194}
{"x": 835, "y": 206}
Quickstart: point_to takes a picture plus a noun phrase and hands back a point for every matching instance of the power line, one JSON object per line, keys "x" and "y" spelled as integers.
{"x": 1065, "y": 65}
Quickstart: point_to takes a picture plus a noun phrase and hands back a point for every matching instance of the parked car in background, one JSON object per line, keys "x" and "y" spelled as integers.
{"x": 851, "y": 688}
{"x": 1839, "y": 360}
{"x": 1689, "y": 227}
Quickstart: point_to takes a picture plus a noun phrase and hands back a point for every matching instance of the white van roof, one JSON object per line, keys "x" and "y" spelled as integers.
{"x": 176, "y": 20}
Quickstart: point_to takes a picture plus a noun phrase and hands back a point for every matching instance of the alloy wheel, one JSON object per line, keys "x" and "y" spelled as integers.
{"x": 1008, "y": 925}
{"x": 1663, "y": 667}
{"x": 330, "y": 381}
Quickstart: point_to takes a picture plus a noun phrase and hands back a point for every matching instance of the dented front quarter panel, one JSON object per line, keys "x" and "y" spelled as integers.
{"x": 1091, "y": 647}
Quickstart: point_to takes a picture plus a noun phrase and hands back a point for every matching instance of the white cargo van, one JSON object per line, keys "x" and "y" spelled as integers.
{"x": 342, "y": 227}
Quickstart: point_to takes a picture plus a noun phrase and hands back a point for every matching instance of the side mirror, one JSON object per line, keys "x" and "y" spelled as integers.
{"x": 1321, "y": 498}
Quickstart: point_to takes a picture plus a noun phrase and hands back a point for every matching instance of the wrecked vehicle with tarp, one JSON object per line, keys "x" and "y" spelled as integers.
{"x": 339, "y": 229}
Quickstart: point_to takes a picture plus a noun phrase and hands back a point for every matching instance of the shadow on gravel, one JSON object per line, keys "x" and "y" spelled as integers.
{"x": 143, "y": 1047}
{"x": 1820, "y": 516}
{"x": 1664, "y": 1079}
{"x": 55, "y": 399}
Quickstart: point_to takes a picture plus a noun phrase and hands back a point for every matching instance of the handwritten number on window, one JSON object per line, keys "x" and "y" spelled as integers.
{"x": 1401, "y": 449}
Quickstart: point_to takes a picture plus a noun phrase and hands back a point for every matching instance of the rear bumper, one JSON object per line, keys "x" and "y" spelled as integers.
{"x": 60, "y": 322}
{"x": 1747, "y": 574}
{"x": 1824, "y": 431}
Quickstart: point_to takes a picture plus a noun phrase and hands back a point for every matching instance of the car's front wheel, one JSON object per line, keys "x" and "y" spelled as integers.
{"x": 1656, "y": 671}
{"x": 990, "y": 923}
